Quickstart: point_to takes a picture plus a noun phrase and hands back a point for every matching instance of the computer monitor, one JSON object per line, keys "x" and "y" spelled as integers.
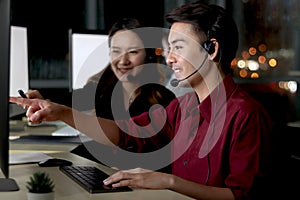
{"x": 19, "y": 75}
{"x": 89, "y": 54}
{"x": 6, "y": 183}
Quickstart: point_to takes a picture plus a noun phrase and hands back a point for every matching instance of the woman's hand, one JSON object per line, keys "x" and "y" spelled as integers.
{"x": 39, "y": 110}
{"x": 140, "y": 178}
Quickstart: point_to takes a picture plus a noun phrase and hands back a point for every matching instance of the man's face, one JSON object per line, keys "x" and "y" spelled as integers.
{"x": 186, "y": 54}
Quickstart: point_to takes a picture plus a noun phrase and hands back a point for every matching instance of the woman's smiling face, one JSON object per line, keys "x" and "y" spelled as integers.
{"x": 126, "y": 53}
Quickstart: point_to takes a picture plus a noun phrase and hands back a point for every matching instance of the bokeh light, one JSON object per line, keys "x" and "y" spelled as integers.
{"x": 262, "y": 47}
{"x": 254, "y": 75}
{"x": 241, "y": 64}
{"x": 252, "y": 65}
{"x": 273, "y": 62}
{"x": 243, "y": 73}
{"x": 261, "y": 59}
{"x": 252, "y": 51}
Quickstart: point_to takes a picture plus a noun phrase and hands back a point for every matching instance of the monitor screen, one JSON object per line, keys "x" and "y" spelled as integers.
{"x": 89, "y": 54}
{"x": 6, "y": 184}
{"x": 19, "y": 77}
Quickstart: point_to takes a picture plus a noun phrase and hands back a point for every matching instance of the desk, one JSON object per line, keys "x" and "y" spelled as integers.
{"x": 67, "y": 189}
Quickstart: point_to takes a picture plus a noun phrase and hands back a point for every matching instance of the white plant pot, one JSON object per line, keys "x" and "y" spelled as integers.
{"x": 40, "y": 196}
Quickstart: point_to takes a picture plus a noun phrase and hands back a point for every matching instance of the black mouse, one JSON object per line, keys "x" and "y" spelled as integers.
{"x": 54, "y": 162}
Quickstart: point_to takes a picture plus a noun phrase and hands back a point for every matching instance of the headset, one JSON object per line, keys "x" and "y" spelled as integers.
{"x": 209, "y": 46}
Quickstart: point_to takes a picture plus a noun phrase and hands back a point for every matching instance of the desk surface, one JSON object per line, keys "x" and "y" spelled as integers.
{"x": 65, "y": 188}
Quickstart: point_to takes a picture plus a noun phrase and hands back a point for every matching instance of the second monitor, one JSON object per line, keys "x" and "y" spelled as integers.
{"x": 89, "y": 54}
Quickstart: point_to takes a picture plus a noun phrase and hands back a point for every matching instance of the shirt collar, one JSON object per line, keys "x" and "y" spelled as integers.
{"x": 217, "y": 99}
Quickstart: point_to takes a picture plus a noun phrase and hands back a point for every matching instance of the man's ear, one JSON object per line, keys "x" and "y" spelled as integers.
{"x": 214, "y": 54}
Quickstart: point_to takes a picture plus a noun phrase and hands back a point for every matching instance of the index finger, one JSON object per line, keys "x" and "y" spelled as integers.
{"x": 20, "y": 101}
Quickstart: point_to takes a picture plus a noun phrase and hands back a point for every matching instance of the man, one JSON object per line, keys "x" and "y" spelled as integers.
{"x": 218, "y": 134}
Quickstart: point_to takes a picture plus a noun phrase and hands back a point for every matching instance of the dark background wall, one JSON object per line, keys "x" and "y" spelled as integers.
{"x": 48, "y": 21}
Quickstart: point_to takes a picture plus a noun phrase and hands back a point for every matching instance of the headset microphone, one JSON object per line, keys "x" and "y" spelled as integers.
{"x": 174, "y": 82}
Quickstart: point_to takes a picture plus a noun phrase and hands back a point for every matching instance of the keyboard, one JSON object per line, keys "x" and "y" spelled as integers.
{"x": 90, "y": 178}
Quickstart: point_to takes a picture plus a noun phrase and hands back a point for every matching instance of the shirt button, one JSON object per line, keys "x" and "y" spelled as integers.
{"x": 185, "y": 163}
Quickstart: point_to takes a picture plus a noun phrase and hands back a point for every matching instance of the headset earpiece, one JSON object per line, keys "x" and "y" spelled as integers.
{"x": 209, "y": 47}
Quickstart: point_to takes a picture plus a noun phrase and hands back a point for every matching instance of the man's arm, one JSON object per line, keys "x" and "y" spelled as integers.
{"x": 141, "y": 178}
{"x": 102, "y": 130}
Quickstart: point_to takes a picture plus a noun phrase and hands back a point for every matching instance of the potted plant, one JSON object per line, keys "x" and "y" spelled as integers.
{"x": 40, "y": 187}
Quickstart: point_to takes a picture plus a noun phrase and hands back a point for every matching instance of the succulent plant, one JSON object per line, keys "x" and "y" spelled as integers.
{"x": 40, "y": 182}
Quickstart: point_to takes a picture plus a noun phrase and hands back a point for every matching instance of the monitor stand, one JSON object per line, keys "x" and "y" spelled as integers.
{"x": 8, "y": 184}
